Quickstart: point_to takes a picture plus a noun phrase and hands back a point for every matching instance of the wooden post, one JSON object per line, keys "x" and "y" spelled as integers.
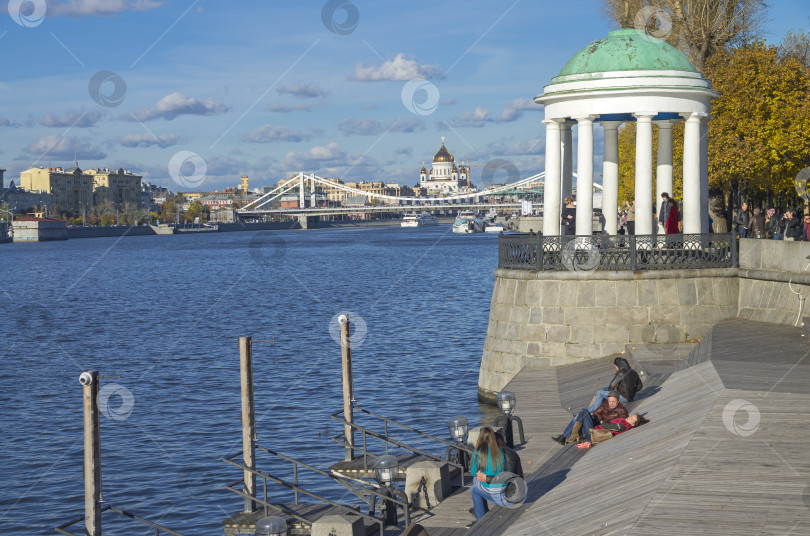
{"x": 348, "y": 391}
{"x": 248, "y": 419}
{"x": 92, "y": 454}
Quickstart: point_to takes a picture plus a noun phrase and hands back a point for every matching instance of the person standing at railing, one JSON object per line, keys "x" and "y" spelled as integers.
{"x": 672, "y": 218}
{"x": 742, "y": 219}
{"x": 756, "y": 227}
{"x": 631, "y": 218}
{"x": 772, "y": 221}
{"x": 569, "y": 216}
{"x": 663, "y": 213}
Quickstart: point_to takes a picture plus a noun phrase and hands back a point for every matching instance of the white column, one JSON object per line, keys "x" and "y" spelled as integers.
{"x": 567, "y": 159}
{"x": 551, "y": 184}
{"x": 301, "y": 199}
{"x": 663, "y": 172}
{"x": 584, "y": 224}
{"x": 644, "y": 195}
{"x": 691, "y": 174}
{"x": 704, "y": 175}
{"x": 610, "y": 177}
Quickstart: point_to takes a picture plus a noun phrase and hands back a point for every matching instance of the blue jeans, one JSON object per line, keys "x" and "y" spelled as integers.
{"x": 601, "y": 396}
{"x": 743, "y": 232}
{"x": 777, "y": 236}
{"x": 482, "y": 495}
{"x": 583, "y": 416}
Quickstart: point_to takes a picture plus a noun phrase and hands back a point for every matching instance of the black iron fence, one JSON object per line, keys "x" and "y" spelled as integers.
{"x": 619, "y": 252}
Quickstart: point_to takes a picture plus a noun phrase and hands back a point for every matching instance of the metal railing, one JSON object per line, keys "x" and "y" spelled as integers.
{"x": 61, "y": 529}
{"x": 388, "y": 440}
{"x": 617, "y": 252}
{"x": 296, "y": 489}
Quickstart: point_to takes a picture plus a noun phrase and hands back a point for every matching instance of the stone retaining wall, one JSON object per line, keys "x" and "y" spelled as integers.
{"x": 559, "y": 317}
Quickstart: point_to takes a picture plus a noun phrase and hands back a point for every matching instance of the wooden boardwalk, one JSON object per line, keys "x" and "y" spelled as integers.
{"x": 724, "y": 453}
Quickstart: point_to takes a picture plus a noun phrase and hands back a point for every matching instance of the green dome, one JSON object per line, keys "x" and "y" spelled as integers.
{"x": 626, "y": 50}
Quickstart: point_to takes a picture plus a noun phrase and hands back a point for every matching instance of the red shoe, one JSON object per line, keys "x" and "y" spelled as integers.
{"x": 584, "y": 445}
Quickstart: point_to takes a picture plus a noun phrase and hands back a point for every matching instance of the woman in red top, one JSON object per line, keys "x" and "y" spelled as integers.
{"x": 617, "y": 426}
{"x": 672, "y": 219}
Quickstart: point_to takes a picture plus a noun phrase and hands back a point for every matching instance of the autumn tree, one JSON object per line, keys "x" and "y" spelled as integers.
{"x": 699, "y": 28}
{"x": 758, "y": 138}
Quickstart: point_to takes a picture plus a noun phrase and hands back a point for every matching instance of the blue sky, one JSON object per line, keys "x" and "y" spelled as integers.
{"x": 354, "y": 89}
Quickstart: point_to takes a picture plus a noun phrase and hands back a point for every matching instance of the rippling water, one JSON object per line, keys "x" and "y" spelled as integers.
{"x": 159, "y": 318}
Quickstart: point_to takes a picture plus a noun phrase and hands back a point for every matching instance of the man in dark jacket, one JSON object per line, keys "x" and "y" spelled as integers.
{"x": 742, "y": 220}
{"x": 663, "y": 213}
{"x": 626, "y": 382}
{"x": 756, "y": 226}
{"x": 793, "y": 226}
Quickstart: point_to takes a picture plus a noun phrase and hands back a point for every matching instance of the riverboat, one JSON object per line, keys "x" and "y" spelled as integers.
{"x": 424, "y": 219}
{"x": 468, "y": 222}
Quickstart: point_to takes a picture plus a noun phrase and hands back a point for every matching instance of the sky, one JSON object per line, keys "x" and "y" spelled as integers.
{"x": 193, "y": 94}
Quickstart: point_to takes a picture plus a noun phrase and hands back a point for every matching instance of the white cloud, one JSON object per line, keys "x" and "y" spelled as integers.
{"x": 368, "y": 126}
{"x": 301, "y": 107}
{"x": 147, "y": 139}
{"x": 97, "y": 8}
{"x": 319, "y": 156}
{"x": 57, "y": 147}
{"x": 303, "y": 91}
{"x": 476, "y": 119}
{"x": 400, "y": 68}
{"x": 515, "y": 108}
{"x": 78, "y": 118}
{"x": 8, "y": 123}
{"x": 176, "y": 104}
{"x": 269, "y": 133}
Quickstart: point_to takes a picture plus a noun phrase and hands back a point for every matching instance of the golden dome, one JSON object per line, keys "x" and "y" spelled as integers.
{"x": 443, "y": 155}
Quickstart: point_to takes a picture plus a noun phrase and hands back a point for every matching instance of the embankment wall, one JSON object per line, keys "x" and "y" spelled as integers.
{"x": 559, "y": 317}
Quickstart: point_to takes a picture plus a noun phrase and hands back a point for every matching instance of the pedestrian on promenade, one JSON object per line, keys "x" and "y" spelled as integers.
{"x": 606, "y": 430}
{"x": 626, "y": 382}
{"x": 631, "y": 218}
{"x": 663, "y": 213}
{"x": 772, "y": 221}
{"x": 515, "y": 490}
{"x": 806, "y": 228}
{"x": 742, "y": 219}
{"x": 793, "y": 226}
{"x": 487, "y": 459}
{"x": 569, "y": 216}
{"x": 579, "y": 427}
{"x": 672, "y": 218}
{"x": 756, "y": 226}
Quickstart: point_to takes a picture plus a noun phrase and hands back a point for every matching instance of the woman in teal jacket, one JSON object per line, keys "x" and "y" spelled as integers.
{"x": 487, "y": 459}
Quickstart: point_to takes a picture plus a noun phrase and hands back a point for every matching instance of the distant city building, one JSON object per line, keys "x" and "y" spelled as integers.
{"x": 70, "y": 190}
{"x": 120, "y": 187}
{"x": 444, "y": 177}
{"x": 245, "y": 189}
{"x": 216, "y": 201}
{"x": 21, "y": 200}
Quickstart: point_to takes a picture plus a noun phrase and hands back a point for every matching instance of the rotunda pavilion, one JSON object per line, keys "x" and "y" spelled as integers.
{"x": 627, "y": 76}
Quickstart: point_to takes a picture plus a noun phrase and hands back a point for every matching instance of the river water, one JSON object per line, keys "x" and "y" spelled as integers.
{"x": 159, "y": 318}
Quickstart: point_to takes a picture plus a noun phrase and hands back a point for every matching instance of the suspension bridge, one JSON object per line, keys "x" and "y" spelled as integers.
{"x": 307, "y": 204}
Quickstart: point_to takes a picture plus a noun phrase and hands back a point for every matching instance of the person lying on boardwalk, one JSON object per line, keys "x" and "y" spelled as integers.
{"x": 579, "y": 427}
{"x": 626, "y": 382}
{"x": 487, "y": 461}
{"x": 607, "y": 430}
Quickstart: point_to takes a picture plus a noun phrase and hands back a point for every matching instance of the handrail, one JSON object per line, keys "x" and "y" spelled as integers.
{"x": 158, "y": 528}
{"x": 537, "y": 252}
{"x": 296, "y": 488}
{"x": 394, "y": 442}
